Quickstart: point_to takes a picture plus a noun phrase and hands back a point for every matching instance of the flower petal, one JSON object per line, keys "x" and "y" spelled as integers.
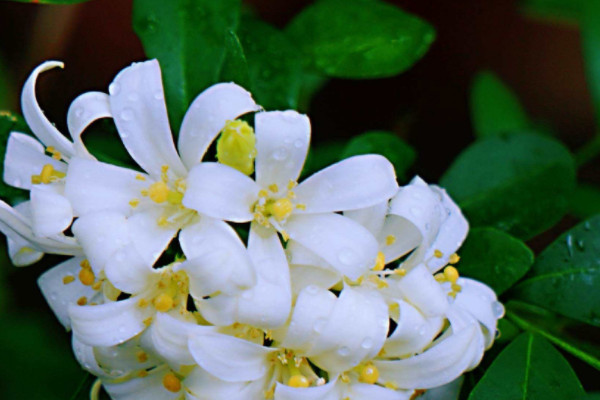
{"x": 220, "y": 310}
{"x": 347, "y": 246}
{"x": 127, "y": 271}
{"x": 449, "y": 391}
{"x": 138, "y": 105}
{"x": 149, "y": 239}
{"x": 229, "y": 358}
{"x": 83, "y": 111}
{"x": 356, "y": 182}
{"x": 363, "y": 391}
{"x": 420, "y": 289}
{"x": 37, "y": 121}
{"x": 221, "y": 192}
{"x": 25, "y": 158}
{"x": 305, "y": 275}
{"x": 149, "y": 387}
{"x": 282, "y": 139}
{"x": 371, "y": 218}
{"x": 51, "y": 211}
{"x": 109, "y": 324}
{"x": 207, "y": 116}
{"x": 217, "y": 259}
{"x": 84, "y": 354}
{"x": 205, "y": 386}
{"x": 59, "y": 294}
{"x": 19, "y": 250}
{"x": 329, "y": 391}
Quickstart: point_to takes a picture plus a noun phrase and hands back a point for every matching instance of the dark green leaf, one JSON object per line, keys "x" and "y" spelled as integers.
{"x": 585, "y": 201}
{"x": 578, "y": 339}
{"x": 360, "y": 38}
{"x": 189, "y": 38}
{"x": 321, "y": 156}
{"x": 388, "y": 145}
{"x": 494, "y": 107}
{"x": 566, "y": 276}
{"x": 516, "y": 183}
{"x": 566, "y": 10}
{"x": 274, "y": 64}
{"x": 235, "y": 66}
{"x": 590, "y": 35}
{"x": 528, "y": 369}
{"x": 495, "y": 258}
{"x": 10, "y": 122}
{"x": 507, "y": 331}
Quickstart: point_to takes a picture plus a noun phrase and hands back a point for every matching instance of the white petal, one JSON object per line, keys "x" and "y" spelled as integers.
{"x": 83, "y": 111}
{"x": 35, "y": 117}
{"x": 363, "y": 391}
{"x": 298, "y": 254}
{"x": 138, "y": 105}
{"x": 267, "y": 304}
{"x": 87, "y": 359}
{"x": 371, "y": 218}
{"x": 149, "y": 239}
{"x": 355, "y": 330}
{"x": 207, "y": 116}
{"x": 421, "y": 289}
{"x": 220, "y": 310}
{"x": 413, "y": 332}
{"x": 329, "y": 391}
{"x": 343, "y": 243}
{"x": 405, "y": 237}
{"x": 149, "y": 387}
{"x": 60, "y": 295}
{"x": 229, "y": 358}
{"x": 127, "y": 271}
{"x": 282, "y": 139}
{"x": 357, "y": 182}
{"x": 217, "y": 259}
{"x": 305, "y": 275}
{"x": 19, "y": 250}
{"x": 51, "y": 211}
{"x": 25, "y": 158}
{"x": 110, "y": 323}
{"x": 100, "y": 236}
{"x": 92, "y": 186}
{"x": 205, "y": 386}
{"x": 221, "y": 192}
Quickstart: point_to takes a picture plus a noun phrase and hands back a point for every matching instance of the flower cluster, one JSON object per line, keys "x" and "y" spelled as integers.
{"x": 340, "y": 285}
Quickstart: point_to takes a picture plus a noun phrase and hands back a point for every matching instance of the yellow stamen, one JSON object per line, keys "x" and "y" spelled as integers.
{"x": 85, "y": 264}
{"x": 391, "y": 385}
{"x": 301, "y": 206}
{"x": 68, "y": 279}
{"x": 369, "y": 374}
{"x": 163, "y": 302}
{"x": 440, "y": 278}
{"x": 86, "y": 276}
{"x": 263, "y": 193}
{"x": 438, "y": 254}
{"x": 451, "y": 274}
{"x": 174, "y": 198}
{"x": 158, "y": 192}
{"x": 97, "y": 285}
{"x": 82, "y": 301}
{"x": 400, "y": 271}
{"x": 280, "y": 209}
{"x": 390, "y": 239}
{"x": 237, "y": 146}
{"x": 454, "y": 258}
{"x": 134, "y": 203}
{"x": 298, "y": 381}
{"x": 456, "y": 288}
{"x": 292, "y": 184}
{"x": 172, "y": 383}
{"x": 140, "y": 177}
{"x": 142, "y": 303}
{"x": 379, "y": 262}
{"x": 142, "y": 356}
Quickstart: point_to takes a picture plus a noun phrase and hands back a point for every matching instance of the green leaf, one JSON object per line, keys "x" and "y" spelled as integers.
{"x": 495, "y": 109}
{"x": 585, "y": 201}
{"x": 566, "y": 276}
{"x": 565, "y": 10}
{"x": 10, "y": 122}
{"x": 572, "y": 336}
{"x": 389, "y": 145}
{"x": 235, "y": 66}
{"x": 516, "y": 183}
{"x": 360, "y": 38}
{"x": 274, "y": 64}
{"x": 322, "y": 155}
{"x": 189, "y": 38}
{"x": 528, "y": 369}
{"x": 590, "y": 36}
{"x": 495, "y": 258}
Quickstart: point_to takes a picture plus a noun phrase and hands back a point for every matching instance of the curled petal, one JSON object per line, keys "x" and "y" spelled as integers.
{"x": 84, "y": 110}
{"x": 421, "y": 289}
{"x": 371, "y": 218}
{"x": 205, "y": 386}
{"x": 150, "y": 387}
{"x": 51, "y": 211}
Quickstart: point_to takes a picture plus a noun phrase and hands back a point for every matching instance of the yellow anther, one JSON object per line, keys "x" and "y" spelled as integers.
{"x": 50, "y": 149}
{"x": 451, "y": 274}
{"x": 174, "y": 198}
{"x": 36, "y": 179}
{"x": 143, "y": 374}
{"x": 163, "y": 302}
{"x": 46, "y": 173}
{"x": 57, "y": 156}
{"x": 97, "y": 285}
{"x": 440, "y": 278}
{"x": 345, "y": 378}
{"x": 82, "y": 301}
{"x": 400, "y": 271}
{"x": 452, "y": 294}
{"x": 68, "y": 279}
{"x": 142, "y": 356}
{"x": 86, "y": 276}
{"x": 379, "y": 262}
{"x": 390, "y": 240}
{"x": 171, "y": 383}
{"x": 140, "y": 177}
{"x": 438, "y": 254}
{"x": 280, "y": 209}
{"x": 394, "y": 308}
{"x": 456, "y": 288}
{"x": 301, "y": 206}
{"x": 292, "y": 184}
{"x": 263, "y": 193}
{"x": 85, "y": 264}
{"x": 369, "y": 374}
{"x": 298, "y": 381}
{"x": 391, "y": 385}
{"x": 274, "y": 188}
{"x": 162, "y": 221}
{"x": 454, "y": 258}
{"x": 158, "y": 192}
{"x": 144, "y": 193}
{"x": 291, "y": 195}
{"x": 134, "y": 203}
{"x": 285, "y": 236}
{"x": 147, "y": 321}
{"x": 237, "y": 146}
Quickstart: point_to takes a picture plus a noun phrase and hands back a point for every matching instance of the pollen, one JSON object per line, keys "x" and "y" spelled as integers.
{"x": 237, "y": 146}
{"x": 163, "y": 302}
{"x": 400, "y": 271}
{"x": 451, "y": 274}
{"x": 134, "y": 203}
{"x": 140, "y": 177}
{"x": 142, "y": 356}
{"x": 82, "y": 301}
{"x": 86, "y": 276}
{"x": 301, "y": 206}
{"x": 143, "y": 303}
{"x": 298, "y": 381}
{"x": 68, "y": 279}
{"x": 281, "y": 209}
{"x": 162, "y": 221}
{"x": 274, "y": 188}
{"x": 171, "y": 383}
{"x": 379, "y": 262}
{"x": 158, "y": 192}
{"x": 263, "y": 193}
{"x": 292, "y": 184}
{"x": 369, "y": 374}
{"x": 97, "y": 285}
{"x": 438, "y": 254}
{"x": 390, "y": 240}
{"x": 454, "y": 258}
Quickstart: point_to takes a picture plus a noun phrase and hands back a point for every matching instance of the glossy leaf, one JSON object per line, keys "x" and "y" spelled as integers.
{"x": 10, "y": 122}
{"x": 566, "y": 10}
{"x": 573, "y": 336}
{"x": 585, "y": 201}
{"x": 495, "y": 109}
{"x": 360, "y": 38}
{"x": 322, "y": 155}
{"x": 590, "y": 36}
{"x": 566, "y": 276}
{"x": 235, "y": 66}
{"x": 494, "y": 258}
{"x": 528, "y": 369}
{"x": 189, "y": 38}
{"x": 516, "y": 183}
{"x": 389, "y": 145}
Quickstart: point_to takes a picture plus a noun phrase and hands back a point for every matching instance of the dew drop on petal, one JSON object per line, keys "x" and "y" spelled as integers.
{"x": 343, "y": 351}
{"x": 347, "y": 256}
{"x": 126, "y": 114}
{"x": 159, "y": 95}
{"x": 114, "y": 89}
{"x": 319, "y": 325}
{"x": 498, "y": 309}
{"x": 298, "y": 143}
{"x": 367, "y": 343}
{"x": 280, "y": 154}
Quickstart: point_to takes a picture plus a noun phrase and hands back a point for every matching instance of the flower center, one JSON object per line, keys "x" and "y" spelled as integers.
{"x": 171, "y": 291}
{"x": 47, "y": 175}
{"x": 274, "y": 206}
{"x": 237, "y": 146}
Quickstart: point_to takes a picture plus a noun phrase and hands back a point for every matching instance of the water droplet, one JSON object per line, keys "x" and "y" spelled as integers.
{"x": 298, "y": 143}
{"x": 127, "y": 114}
{"x": 587, "y": 226}
{"x": 280, "y": 154}
{"x": 416, "y": 211}
{"x": 133, "y": 97}
{"x": 498, "y": 309}
{"x": 347, "y": 256}
{"x": 159, "y": 95}
{"x": 367, "y": 343}
{"x": 124, "y": 134}
{"x": 343, "y": 351}
{"x": 79, "y": 112}
{"x": 312, "y": 289}
{"x": 422, "y": 330}
{"x": 569, "y": 243}
{"x": 319, "y": 325}
{"x": 114, "y": 89}
{"x": 581, "y": 244}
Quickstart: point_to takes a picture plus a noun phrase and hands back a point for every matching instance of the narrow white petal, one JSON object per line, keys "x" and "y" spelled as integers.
{"x": 37, "y": 121}
{"x": 402, "y": 235}
{"x": 25, "y": 158}
{"x": 207, "y": 116}
{"x": 19, "y": 250}
{"x": 282, "y": 139}
{"x": 138, "y": 105}
{"x": 92, "y": 187}
{"x": 205, "y": 386}
{"x": 87, "y": 359}
{"x": 347, "y": 246}
{"x": 124, "y": 358}
{"x": 110, "y": 323}
{"x": 51, "y": 211}
{"x": 363, "y": 391}
{"x": 298, "y": 254}
{"x": 61, "y": 295}
{"x": 220, "y": 310}
{"x": 149, "y": 239}
{"x": 305, "y": 275}
{"x": 83, "y": 111}
{"x": 217, "y": 259}
{"x": 127, "y": 271}
{"x": 420, "y": 289}
{"x": 221, "y": 192}
{"x": 371, "y": 218}
{"x": 229, "y": 358}
{"x": 329, "y": 391}
{"x": 149, "y": 387}
{"x": 357, "y": 182}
